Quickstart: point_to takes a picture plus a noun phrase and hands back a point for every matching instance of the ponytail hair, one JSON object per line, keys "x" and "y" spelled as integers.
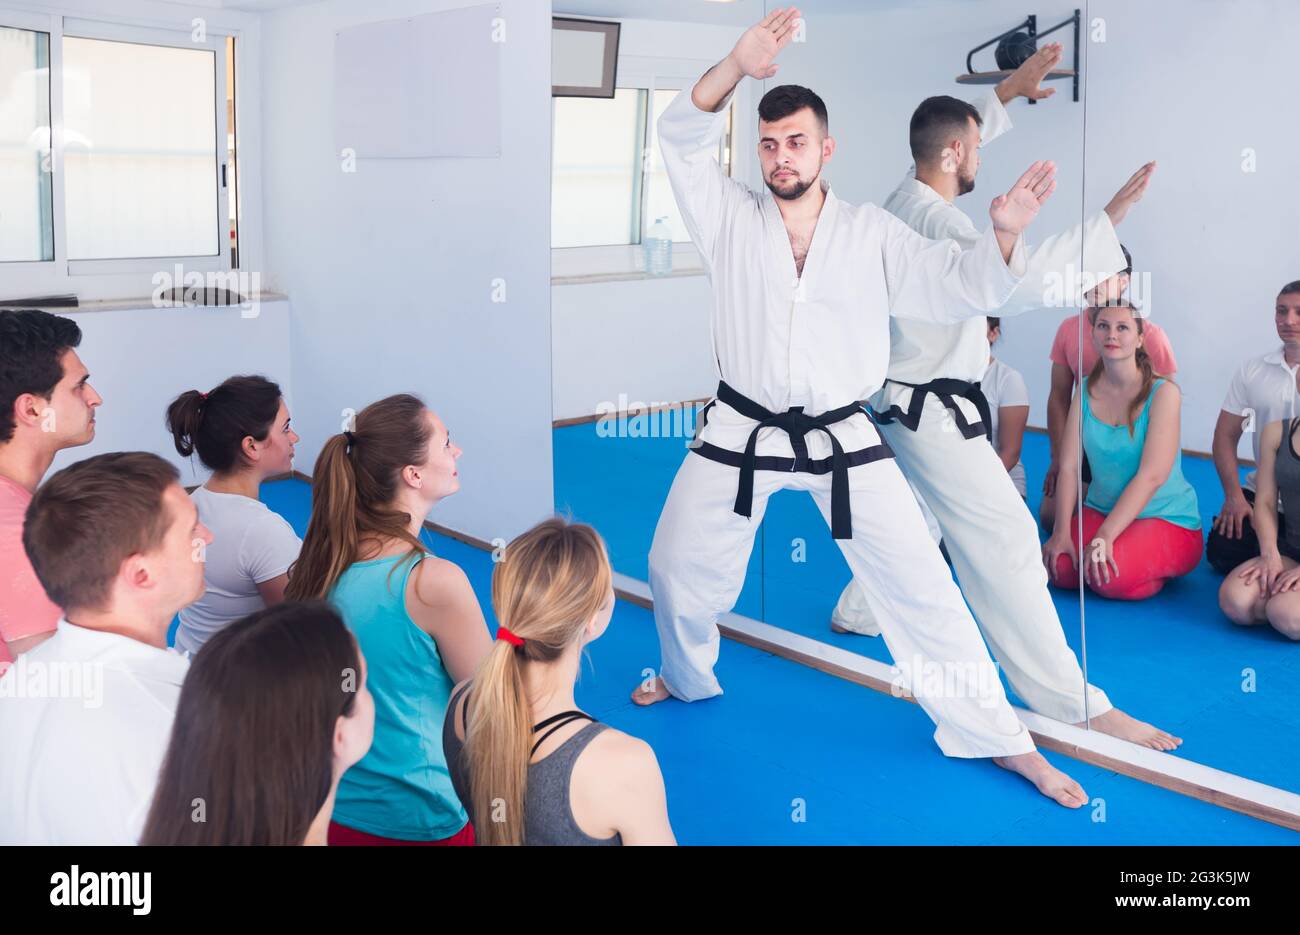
{"x": 354, "y": 484}
{"x": 1141, "y": 357}
{"x": 553, "y": 580}
{"x": 216, "y": 423}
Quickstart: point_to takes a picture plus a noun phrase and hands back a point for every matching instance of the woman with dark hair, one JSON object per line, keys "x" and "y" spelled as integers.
{"x": 414, "y": 615}
{"x": 241, "y": 433}
{"x": 271, "y": 714}
{"x": 1141, "y": 521}
{"x": 520, "y": 753}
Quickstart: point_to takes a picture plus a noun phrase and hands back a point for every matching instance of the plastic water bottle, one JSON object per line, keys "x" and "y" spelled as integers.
{"x": 658, "y": 247}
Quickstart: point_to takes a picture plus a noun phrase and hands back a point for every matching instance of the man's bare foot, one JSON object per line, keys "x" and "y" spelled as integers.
{"x": 1118, "y": 724}
{"x": 1049, "y": 780}
{"x": 649, "y": 692}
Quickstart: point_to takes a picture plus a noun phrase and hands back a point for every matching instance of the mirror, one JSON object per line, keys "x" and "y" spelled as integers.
{"x": 1181, "y": 634}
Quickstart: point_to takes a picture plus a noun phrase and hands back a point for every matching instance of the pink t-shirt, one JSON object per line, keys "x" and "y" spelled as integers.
{"x": 1065, "y": 348}
{"x": 25, "y": 610}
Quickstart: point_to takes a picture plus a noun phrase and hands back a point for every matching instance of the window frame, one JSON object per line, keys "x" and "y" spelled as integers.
{"x": 96, "y": 280}
{"x": 650, "y": 74}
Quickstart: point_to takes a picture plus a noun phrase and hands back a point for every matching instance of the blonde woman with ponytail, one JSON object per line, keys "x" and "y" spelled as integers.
{"x": 529, "y": 766}
{"x": 1141, "y": 522}
{"x": 415, "y": 616}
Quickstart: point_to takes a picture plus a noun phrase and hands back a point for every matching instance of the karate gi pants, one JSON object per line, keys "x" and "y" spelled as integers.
{"x": 992, "y": 540}
{"x": 697, "y": 567}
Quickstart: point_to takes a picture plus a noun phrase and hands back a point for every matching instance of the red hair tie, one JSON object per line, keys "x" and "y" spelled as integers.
{"x": 504, "y": 634}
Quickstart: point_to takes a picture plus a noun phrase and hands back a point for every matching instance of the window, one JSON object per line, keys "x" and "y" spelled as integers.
{"x": 603, "y": 191}
{"x": 117, "y": 154}
{"x": 26, "y": 196}
{"x": 142, "y": 176}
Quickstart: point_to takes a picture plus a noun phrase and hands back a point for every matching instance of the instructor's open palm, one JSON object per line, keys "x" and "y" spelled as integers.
{"x": 1014, "y": 211}
{"x": 760, "y": 43}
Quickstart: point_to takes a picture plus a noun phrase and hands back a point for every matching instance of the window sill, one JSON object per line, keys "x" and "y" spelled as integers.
{"x": 626, "y": 276}
{"x": 114, "y": 305}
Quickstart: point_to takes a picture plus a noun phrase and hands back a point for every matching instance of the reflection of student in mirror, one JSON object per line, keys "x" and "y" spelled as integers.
{"x": 1065, "y": 357}
{"x": 1008, "y": 398}
{"x": 1263, "y": 390}
{"x": 1141, "y": 521}
{"x": 1267, "y": 587}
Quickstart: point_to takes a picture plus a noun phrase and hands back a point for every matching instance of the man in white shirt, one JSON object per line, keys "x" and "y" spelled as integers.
{"x": 803, "y": 286}
{"x": 86, "y": 716}
{"x": 932, "y": 413}
{"x": 1263, "y": 390}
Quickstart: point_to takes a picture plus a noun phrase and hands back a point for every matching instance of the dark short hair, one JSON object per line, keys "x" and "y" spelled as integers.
{"x": 1128, "y": 260}
{"x": 32, "y": 344}
{"x": 786, "y": 99}
{"x": 1290, "y": 288}
{"x": 90, "y": 517}
{"x": 994, "y": 321}
{"x": 935, "y": 122}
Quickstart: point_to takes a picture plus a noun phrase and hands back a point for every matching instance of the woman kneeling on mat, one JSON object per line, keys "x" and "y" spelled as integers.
{"x": 415, "y": 616}
{"x": 530, "y": 768}
{"x": 1141, "y": 521}
{"x": 1267, "y": 588}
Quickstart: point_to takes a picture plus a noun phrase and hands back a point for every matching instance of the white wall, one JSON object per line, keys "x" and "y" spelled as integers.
{"x": 647, "y": 340}
{"x": 391, "y": 268}
{"x": 1192, "y": 84}
{"x": 141, "y": 359}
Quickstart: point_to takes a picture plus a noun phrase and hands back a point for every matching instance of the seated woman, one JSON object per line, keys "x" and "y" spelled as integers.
{"x": 241, "y": 433}
{"x": 1267, "y": 588}
{"x": 531, "y": 768}
{"x": 1008, "y": 398}
{"x": 1070, "y": 358}
{"x": 415, "y": 616}
{"x": 271, "y": 714}
{"x": 1141, "y": 521}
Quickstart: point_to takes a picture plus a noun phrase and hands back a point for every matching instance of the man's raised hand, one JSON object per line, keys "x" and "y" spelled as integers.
{"x": 754, "y": 52}
{"x": 1013, "y": 212}
{"x": 1025, "y": 80}
{"x": 1131, "y": 193}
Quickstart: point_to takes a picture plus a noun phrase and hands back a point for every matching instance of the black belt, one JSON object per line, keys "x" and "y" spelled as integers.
{"x": 795, "y": 423}
{"x": 945, "y": 390}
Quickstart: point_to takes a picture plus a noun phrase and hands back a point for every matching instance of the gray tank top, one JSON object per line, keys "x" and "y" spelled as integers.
{"x": 1287, "y": 472}
{"x": 548, "y": 815}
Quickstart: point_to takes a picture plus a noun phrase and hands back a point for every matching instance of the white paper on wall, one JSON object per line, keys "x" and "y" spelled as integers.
{"x": 422, "y": 86}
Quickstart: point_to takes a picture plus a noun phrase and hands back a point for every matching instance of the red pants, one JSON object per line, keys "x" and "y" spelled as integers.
{"x": 1149, "y": 552}
{"x": 343, "y": 836}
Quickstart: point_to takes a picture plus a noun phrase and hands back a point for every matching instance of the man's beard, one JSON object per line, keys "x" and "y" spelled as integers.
{"x": 965, "y": 184}
{"x": 799, "y": 188}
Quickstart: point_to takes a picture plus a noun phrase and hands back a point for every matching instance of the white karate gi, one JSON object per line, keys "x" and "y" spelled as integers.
{"x": 990, "y": 535}
{"x": 820, "y": 341}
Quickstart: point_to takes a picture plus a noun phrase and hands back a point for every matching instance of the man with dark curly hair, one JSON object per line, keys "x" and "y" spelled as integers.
{"x": 46, "y": 404}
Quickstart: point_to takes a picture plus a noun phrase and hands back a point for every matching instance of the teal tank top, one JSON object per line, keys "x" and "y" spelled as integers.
{"x": 1114, "y": 457}
{"x": 401, "y": 788}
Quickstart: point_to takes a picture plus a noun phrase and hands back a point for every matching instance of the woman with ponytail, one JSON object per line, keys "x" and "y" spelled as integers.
{"x": 415, "y": 616}
{"x": 272, "y": 712}
{"x": 241, "y": 433}
{"x": 1141, "y": 521}
{"x": 530, "y": 767}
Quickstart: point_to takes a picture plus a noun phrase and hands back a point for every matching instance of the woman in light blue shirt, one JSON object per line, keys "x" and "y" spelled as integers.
{"x": 1141, "y": 521}
{"x": 414, "y": 615}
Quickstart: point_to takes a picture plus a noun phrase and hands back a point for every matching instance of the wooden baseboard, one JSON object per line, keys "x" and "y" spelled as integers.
{"x": 629, "y": 413}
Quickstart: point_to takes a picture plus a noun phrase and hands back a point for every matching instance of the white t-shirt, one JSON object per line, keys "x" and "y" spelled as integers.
{"x": 1004, "y": 386}
{"x": 250, "y": 544}
{"x": 1264, "y": 385}
{"x": 86, "y": 717}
